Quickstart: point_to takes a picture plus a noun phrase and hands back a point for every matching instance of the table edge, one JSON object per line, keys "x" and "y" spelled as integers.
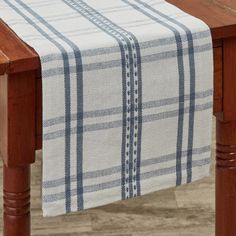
{"x": 23, "y": 58}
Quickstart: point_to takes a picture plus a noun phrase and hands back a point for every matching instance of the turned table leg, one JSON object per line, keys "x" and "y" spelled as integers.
{"x": 226, "y": 146}
{"x": 17, "y": 148}
{"x": 226, "y": 179}
{"x": 16, "y": 186}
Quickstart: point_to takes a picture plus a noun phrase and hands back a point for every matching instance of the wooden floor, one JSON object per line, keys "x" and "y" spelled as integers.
{"x": 184, "y": 211}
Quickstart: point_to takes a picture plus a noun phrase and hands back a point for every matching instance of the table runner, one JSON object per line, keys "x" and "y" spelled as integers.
{"x": 127, "y": 97}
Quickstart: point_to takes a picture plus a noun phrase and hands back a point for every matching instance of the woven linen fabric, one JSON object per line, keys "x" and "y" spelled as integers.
{"x": 127, "y": 97}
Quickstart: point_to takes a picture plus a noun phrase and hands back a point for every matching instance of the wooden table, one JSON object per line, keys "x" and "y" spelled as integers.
{"x": 21, "y": 116}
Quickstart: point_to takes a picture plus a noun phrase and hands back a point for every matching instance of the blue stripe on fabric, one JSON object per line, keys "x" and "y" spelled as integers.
{"x": 67, "y": 88}
{"x": 117, "y": 110}
{"x": 181, "y": 85}
{"x": 109, "y": 50}
{"x": 135, "y": 55}
{"x": 117, "y": 183}
{"x": 85, "y": 31}
{"x": 192, "y": 83}
{"x": 125, "y": 36}
{"x": 118, "y": 123}
{"x": 116, "y": 169}
{"x": 107, "y": 30}
{"x": 79, "y": 138}
{"x": 102, "y": 10}
{"x": 116, "y": 63}
{"x": 132, "y": 63}
{"x": 140, "y": 122}
{"x": 131, "y": 164}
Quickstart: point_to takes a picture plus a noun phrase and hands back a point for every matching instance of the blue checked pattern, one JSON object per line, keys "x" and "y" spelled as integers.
{"x": 127, "y": 97}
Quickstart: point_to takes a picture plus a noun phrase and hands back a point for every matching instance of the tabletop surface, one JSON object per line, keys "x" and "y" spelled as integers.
{"x": 220, "y": 15}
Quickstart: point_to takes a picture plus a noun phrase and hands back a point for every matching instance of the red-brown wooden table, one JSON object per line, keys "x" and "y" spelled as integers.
{"x": 21, "y": 116}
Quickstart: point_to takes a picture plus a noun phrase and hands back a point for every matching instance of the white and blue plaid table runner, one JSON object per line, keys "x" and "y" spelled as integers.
{"x": 127, "y": 97}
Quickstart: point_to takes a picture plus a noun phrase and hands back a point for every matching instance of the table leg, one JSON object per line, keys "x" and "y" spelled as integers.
{"x": 226, "y": 179}
{"x": 16, "y": 186}
{"x": 17, "y": 148}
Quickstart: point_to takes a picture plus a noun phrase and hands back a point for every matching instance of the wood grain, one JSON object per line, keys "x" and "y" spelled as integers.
{"x": 20, "y": 57}
{"x": 229, "y": 5}
{"x": 219, "y": 15}
{"x": 226, "y": 178}
{"x": 4, "y": 62}
{"x": 39, "y": 112}
{"x": 17, "y": 115}
{"x": 16, "y": 186}
{"x": 21, "y": 114}
{"x": 218, "y": 80}
{"x": 229, "y": 84}
{"x": 17, "y": 147}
